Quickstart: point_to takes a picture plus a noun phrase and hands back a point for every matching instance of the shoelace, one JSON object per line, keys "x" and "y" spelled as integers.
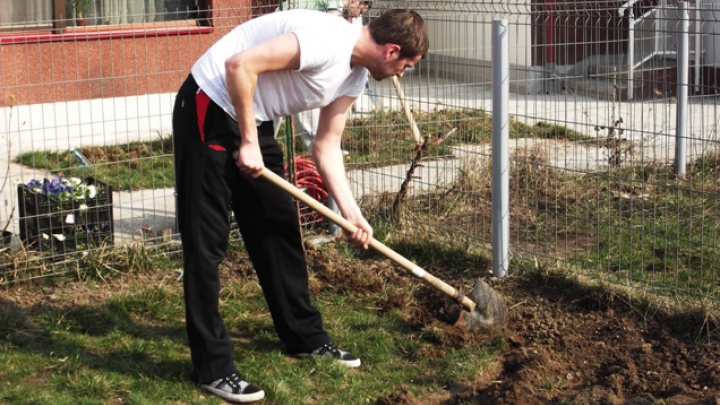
{"x": 235, "y": 380}
{"x": 330, "y": 347}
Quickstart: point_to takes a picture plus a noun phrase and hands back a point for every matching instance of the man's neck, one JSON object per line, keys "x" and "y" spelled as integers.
{"x": 364, "y": 50}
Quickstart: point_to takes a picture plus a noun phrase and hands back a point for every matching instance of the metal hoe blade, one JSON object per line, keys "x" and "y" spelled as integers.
{"x": 489, "y": 311}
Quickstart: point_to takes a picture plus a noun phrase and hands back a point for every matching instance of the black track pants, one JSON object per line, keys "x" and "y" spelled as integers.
{"x": 209, "y": 184}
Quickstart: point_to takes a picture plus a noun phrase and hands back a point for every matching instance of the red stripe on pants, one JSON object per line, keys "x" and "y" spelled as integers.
{"x": 202, "y": 101}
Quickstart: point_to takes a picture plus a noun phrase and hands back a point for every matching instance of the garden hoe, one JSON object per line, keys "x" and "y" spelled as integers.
{"x": 484, "y": 309}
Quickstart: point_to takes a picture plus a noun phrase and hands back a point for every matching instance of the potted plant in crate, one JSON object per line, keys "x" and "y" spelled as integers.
{"x": 80, "y": 7}
{"x": 63, "y": 215}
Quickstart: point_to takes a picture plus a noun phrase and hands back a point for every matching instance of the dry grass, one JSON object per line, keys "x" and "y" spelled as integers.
{"x": 20, "y": 265}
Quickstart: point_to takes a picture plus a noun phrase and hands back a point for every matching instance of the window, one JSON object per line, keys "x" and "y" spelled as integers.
{"x": 113, "y": 12}
{"x": 25, "y": 14}
{"x": 18, "y": 15}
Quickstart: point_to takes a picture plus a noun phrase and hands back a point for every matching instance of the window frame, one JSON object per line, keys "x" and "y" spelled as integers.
{"x": 59, "y": 30}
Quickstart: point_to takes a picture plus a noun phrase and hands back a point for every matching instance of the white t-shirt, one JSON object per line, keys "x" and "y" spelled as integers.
{"x": 326, "y": 43}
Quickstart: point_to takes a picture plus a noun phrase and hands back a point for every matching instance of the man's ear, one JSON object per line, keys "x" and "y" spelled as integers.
{"x": 391, "y": 51}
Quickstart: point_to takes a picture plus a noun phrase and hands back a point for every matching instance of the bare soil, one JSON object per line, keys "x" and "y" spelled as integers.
{"x": 563, "y": 343}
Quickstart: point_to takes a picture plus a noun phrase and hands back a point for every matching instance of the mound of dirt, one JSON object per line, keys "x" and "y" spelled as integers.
{"x": 564, "y": 343}
{"x": 585, "y": 350}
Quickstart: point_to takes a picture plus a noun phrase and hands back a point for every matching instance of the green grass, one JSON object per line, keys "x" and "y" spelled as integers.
{"x": 385, "y": 137}
{"x": 660, "y": 231}
{"x": 131, "y": 348}
{"x": 133, "y": 166}
{"x": 639, "y": 226}
{"x": 381, "y": 138}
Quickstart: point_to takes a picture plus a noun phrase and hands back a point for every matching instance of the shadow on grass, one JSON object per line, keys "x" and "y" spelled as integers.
{"x": 689, "y": 324}
{"x": 102, "y": 337}
{"x": 452, "y": 263}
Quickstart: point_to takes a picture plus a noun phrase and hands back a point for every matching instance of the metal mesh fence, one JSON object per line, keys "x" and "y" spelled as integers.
{"x": 613, "y": 149}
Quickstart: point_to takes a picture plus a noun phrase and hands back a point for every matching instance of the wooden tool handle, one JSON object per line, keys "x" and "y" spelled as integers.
{"x": 408, "y": 113}
{"x": 374, "y": 243}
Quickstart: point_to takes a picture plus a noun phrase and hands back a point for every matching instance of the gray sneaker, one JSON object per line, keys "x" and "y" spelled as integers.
{"x": 234, "y": 388}
{"x": 335, "y": 353}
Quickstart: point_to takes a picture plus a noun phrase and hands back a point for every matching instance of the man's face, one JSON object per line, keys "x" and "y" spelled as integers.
{"x": 393, "y": 65}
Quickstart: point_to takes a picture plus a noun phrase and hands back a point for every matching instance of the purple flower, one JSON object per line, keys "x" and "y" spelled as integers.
{"x": 33, "y": 184}
{"x": 62, "y": 189}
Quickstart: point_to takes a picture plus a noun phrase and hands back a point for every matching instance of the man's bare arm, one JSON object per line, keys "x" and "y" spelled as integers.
{"x": 329, "y": 160}
{"x": 242, "y": 71}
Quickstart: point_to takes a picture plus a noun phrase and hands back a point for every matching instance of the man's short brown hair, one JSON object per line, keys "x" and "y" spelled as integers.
{"x": 402, "y": 27}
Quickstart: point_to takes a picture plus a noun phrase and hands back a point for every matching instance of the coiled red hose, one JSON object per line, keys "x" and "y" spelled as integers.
{"x": 307, "y": 178}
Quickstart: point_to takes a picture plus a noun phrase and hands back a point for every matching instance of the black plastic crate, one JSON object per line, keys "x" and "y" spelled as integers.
{"x": 43, "y": 219}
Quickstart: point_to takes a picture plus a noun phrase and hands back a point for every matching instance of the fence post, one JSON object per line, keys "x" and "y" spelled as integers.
{"x": 500, "y": 154}
{"x": 683, "y": 68}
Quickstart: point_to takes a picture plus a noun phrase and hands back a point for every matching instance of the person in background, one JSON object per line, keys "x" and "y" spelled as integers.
{"x": 348, "y": 9}
{"x": 306, "y": 122}
{"x": 275, "y": 65}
